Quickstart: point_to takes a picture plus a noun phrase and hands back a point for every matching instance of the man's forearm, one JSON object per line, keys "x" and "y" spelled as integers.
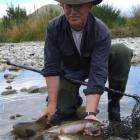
{"x": 92, "y": 102}
{"x": 52, "y": 85}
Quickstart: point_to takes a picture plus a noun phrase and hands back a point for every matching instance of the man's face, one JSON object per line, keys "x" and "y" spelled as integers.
{"x": 77, "y": 14}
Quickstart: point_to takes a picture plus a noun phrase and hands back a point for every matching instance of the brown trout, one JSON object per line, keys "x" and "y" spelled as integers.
{"x": 75, "y": 127}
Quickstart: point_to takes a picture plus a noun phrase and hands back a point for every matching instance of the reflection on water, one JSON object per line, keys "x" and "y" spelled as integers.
{"x": 133, "y": 85}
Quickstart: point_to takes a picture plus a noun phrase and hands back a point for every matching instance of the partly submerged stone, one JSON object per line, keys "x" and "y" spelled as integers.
{"x": 9, "y": 76}
{"x": 12, "y": 117}
{"x": 36, "y": 89}
{"x": 18, "y": 115}
{"x": 33, "y": 89}
{"x": 9, "y": 92}
{"x": 9, "y": 87}
{"x": 43, "y": 89}
{"x": 24, "y": 90}
{"x": 9, "y": 81}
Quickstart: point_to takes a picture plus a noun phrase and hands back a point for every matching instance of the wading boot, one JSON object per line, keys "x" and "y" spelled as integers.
{"x": 114, "y": 101}
{"x": 114, "y": 110}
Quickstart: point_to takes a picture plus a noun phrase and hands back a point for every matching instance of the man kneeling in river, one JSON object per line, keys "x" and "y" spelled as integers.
{"x": 78, "y": 46}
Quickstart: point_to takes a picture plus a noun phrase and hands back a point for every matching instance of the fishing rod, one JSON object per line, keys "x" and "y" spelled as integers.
{"x": 137, "y": 98}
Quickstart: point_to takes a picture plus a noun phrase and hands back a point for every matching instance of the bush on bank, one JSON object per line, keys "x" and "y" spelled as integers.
{"x": 17, "y": 26}
{"x": 110, "y": 15}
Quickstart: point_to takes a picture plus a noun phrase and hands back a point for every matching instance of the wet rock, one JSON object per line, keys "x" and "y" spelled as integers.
{"x": 24, "y": 90}
{"x": 18, "y": 115}
{"x": 9, "y": 92}
{"x": 32, "y": 54}
{"x": 33, "y": 89}
{"x": 9, "y": 87}
{"x": 12, "y": 117}
{"x": 42, "y": 89}
{"x": 9, "y": 76}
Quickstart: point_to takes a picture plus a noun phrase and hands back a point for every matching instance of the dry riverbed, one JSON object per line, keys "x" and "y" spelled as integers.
{"x": 31, "y": 53}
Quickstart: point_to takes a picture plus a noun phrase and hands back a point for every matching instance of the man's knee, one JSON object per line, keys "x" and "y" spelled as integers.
{"x": 122, "y": 50}
{"x": 120, "y": 62}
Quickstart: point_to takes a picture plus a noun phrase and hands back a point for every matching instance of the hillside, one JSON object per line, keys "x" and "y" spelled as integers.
{"x": 46, "y": 9}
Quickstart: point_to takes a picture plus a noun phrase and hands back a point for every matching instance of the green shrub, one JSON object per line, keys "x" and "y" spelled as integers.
{"x": 3, "y": 37}
{"x": 134, "y": 22}
{"x": 109, "y": 15}
{"x": 15, "y": 16}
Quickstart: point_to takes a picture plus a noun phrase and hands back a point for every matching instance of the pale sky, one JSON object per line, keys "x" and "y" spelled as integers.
{"x": 32, "y": 5}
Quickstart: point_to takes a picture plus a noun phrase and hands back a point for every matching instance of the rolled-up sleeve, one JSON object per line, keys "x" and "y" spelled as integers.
{"x": 52, "y": 57}
{"x": 99, "y": 67}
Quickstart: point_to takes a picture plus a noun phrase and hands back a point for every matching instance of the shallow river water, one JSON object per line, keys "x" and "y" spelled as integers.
{"x": 29, "y": 106}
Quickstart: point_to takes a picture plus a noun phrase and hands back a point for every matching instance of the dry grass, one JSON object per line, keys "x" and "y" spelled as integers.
{"x": 32, "y": 29}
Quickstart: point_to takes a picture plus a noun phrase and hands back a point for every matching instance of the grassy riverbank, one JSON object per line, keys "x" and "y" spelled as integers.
{"x": 33, "y": 27}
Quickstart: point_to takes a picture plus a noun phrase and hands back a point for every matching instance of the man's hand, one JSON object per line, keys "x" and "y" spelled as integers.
{"x": 92, "y": 102}
{"x": 48, "y": 112}
{"x": 52, "y": 85}
{"x": 89, "y": 133}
